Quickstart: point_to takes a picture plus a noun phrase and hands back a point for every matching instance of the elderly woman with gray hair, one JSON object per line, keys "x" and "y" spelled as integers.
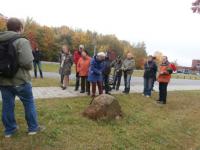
{"x": 95, "y": 72}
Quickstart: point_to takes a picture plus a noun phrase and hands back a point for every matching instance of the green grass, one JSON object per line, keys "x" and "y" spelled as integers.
{"x": 145, "y": 126}
{"x": 49, "y": 82}
{"x": 50, "y": 67}
{"x": 53, "y": 68}
{"x": 46, "y": 82}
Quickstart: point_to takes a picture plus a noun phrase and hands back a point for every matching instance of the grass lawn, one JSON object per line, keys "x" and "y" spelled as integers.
{"x": 48, "y": 82}
{"x": 53, "y": 68}
{"x": 50, "y": 67}
{"x": 145, "y": 126}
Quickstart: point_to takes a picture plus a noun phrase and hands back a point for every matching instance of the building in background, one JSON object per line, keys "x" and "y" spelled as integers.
{"x": 195, "y": 68}
{"x": 196, "y": 65}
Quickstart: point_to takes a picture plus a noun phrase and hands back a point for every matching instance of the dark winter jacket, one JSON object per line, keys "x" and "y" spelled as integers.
{"x": 107, "y": 66}
{"x": 37, "y": 56}
{"x": 150, "y": 69}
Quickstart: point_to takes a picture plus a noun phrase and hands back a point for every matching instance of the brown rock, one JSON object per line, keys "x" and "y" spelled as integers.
{"x": 103, "y": 107}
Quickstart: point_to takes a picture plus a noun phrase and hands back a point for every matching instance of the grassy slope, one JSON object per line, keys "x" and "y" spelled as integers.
{"x": 145, "y": 125}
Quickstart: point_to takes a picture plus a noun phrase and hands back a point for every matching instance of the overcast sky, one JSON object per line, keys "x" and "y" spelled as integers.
{"x": 168, "y": 26}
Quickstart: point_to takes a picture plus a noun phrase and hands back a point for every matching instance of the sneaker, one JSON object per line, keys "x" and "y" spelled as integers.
{"x": 8, "y": 135}
{"x": 147, "y": 96}
{"x": 11, "y": 134}
{"x": 40, "y": 129}
{"x": 143, "y": 95}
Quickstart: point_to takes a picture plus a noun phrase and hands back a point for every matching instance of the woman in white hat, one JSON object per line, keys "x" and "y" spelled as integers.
{"x": 95, "y": 72}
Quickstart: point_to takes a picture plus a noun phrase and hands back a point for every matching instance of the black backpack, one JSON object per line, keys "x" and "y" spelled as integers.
{"x": 8, "y": 58}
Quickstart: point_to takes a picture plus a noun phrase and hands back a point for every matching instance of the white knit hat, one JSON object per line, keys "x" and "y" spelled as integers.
{"x": 101, "y": 54}
{"x": 81, "y": 46}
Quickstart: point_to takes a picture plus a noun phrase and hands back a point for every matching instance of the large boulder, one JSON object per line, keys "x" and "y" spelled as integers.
{"x": 103, "y": 107}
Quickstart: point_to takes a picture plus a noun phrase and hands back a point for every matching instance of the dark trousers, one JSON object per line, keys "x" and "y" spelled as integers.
{"x": 77, "y": 81}
{"x": 100, "y": 87}
{"x": 147, "y": 86}
{"x": 117, "y": 81}
{"x": 106, "y": 83}
{"x": 37, "y": 64}
{"x": 153, "y": 82}
{"x": 85, "y": 85}
{"x": 61, "y": 78}
{"x": 163, "y": 92}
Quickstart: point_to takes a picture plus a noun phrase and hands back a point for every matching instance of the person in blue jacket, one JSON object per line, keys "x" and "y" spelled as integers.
{"x": 95, "y": 72}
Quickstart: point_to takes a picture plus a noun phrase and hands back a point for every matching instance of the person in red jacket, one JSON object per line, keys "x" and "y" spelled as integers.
{"x": 164, "y": 77}
{"x": 83, "y": 68}
{"x": 76, "y": 57}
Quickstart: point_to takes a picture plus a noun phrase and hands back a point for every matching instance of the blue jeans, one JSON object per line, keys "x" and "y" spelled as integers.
{"x": 148, "y": 86}
{"x": 117, "y": 81}
{"x": 24, "y": 92}
{"x": 127, "y": 80}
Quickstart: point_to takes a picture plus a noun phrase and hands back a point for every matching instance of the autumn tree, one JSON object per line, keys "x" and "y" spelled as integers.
{"x": 30, "y": 31}
{"x": 2, "y": 23}
{"x": 139, "y": 51}
{"x": 51, "y": 39}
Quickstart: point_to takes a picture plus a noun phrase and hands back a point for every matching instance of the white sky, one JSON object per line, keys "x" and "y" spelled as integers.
{"x": 168, "y": 26}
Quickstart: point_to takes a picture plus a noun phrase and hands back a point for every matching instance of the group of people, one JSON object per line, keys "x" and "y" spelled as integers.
{"x": 95, "y": 71}
{"x": 15, "y": 79}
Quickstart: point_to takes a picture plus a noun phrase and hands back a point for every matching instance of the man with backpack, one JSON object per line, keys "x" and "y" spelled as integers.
{"x": 15, "y": 63}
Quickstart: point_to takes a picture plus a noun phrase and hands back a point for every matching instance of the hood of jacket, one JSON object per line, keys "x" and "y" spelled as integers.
{"x": 7, "y": 35}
